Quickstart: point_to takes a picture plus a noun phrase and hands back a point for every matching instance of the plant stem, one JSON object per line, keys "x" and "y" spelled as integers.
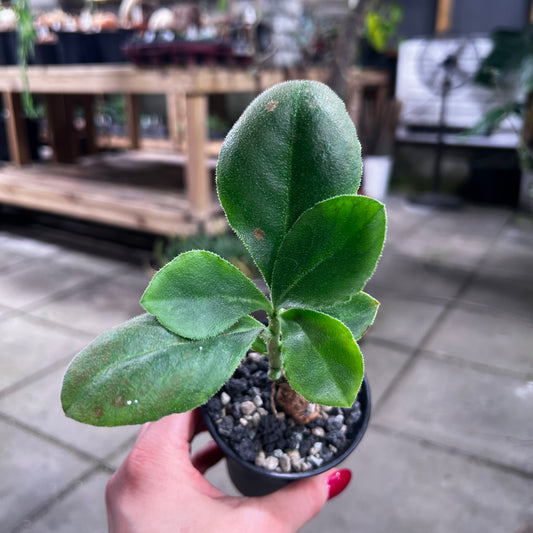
{"x": 274, "y": 348}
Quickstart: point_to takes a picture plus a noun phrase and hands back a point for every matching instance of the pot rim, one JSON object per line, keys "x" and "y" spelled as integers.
{"x": 364, "y": 398}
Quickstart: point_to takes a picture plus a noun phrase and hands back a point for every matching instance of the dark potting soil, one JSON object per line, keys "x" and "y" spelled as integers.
{"x": 242, "y": 412}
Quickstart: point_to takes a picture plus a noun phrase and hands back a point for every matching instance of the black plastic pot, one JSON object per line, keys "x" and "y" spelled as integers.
{"x": 47, "y": 54}
{"x": 111, "y": 43}
{"x": 251, "y": 480}
{"x": 8, "y": 48}
{"x": 78, "y": 48}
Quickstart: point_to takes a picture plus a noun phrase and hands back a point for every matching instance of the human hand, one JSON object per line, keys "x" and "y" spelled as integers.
{"x": 160, "y": 488}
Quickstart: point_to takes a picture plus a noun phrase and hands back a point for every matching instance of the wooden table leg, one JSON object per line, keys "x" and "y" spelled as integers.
{"x": 132, "y": 120}
{"x": 177, "y": 120}
{"x": 63, "y": 138}
{"x": 197, "y": 175}
{"x": 17, "y": 137}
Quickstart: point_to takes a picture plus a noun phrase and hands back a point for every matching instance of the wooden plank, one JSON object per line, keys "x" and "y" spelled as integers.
{"x": 110, "y": 79}
{"x": 83, "y": 199}
{"x": 443, "y": 21}
{"x": 197, "y": 175}
{"x": 17, "y": 136}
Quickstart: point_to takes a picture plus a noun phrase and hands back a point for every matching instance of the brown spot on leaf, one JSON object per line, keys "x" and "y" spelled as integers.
{"x": 98, "y": 412}
{"x": 258, "y": 234}
{"x": 272, "y": 105}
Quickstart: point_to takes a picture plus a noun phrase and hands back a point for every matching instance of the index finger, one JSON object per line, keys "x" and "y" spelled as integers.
{"x": 177, "y": 429}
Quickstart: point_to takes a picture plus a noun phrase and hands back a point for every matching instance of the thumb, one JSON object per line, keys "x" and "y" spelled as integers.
{"x": 300, "y": 501}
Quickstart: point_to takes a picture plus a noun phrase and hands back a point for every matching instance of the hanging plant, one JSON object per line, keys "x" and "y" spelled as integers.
{"x": 25, "y": 49}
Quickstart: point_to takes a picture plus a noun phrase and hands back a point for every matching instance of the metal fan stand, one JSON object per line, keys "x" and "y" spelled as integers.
{"x": 436, "y": 198}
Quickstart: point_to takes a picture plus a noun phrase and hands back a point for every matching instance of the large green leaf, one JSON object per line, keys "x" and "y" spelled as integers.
{"x": 294, "y": 146}
{"x": 329, "y": 253}
{"x": 199, "y": 295}
{"x": 321, "y": 359}
{"x": 492, "y": 119}
{"x": 140, "y": 371}
{"x": 357, "y": 313}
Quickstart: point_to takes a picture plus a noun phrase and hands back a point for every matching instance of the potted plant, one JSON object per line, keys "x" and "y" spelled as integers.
{"x": 377, "y": 131}
{"x": 508, "y": 70}
{"x": 287, "y": 178}
{"x": 379, "y": 44}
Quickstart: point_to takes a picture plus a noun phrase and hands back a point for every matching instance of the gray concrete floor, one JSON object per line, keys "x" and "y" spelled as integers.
{"x": 450, "y": 362}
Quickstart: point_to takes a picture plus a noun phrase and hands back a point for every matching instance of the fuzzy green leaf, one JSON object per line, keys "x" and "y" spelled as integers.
{"x": 140, "y": 371}
{"x": 198, "y": 295}
{"x": 321, "y": 359}
{"x": 329, "y": 253}
{"x": 294, "y": 146}
{"x": 357, "y": 313}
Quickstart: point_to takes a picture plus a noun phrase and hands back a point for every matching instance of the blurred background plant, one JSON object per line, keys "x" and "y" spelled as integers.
{"x": 226, "y": 245}
{"x": 381, "y": 26}
{"x": 508, "y": 70}
{"x": 27, "y": 36}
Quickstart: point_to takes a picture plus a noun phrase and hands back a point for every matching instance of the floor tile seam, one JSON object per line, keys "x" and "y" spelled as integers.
{"x": 455, "y": 360}
{"x": 497, "y": 235}
{"x": 9, "y": 313}
{"x": 452, "y": 450}
{"x": 408, "y": 230}
{"x": 84, "y": 284}
{"x": 7, "y": 269}
{"x": 463, "y": 287}
{"x": 65, "y": 446}
{"x": 437, "y": 323}
{"x": 387, "y": 343}
{"x": 469, "y": 305}
{"x": 29, "y": 259}
{"x": 127, "y": 445}
{"x": 59, "y": 325}
{"x": 411, "y": 296}
{"x": 36, "y": 376}
{"x": 37, "y": 513}
{"x": 415, "y": 353}
{"x": 498, "y": 273}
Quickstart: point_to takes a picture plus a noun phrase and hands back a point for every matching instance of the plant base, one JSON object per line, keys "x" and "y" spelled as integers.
{"x": 264, "y": 452}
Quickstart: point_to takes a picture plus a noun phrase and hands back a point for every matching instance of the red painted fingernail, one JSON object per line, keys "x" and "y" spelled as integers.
{"x": 337, "y": 482}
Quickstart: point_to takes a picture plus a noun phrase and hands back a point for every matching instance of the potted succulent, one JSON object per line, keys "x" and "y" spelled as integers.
{"x": 287, "y": 178}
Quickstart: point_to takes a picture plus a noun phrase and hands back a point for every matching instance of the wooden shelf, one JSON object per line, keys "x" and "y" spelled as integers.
{"x": 71, "y": 189}
{"x": 74, "y": 191}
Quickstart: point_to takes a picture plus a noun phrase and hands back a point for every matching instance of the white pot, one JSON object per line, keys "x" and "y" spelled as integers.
{"x": 376, "y": 175}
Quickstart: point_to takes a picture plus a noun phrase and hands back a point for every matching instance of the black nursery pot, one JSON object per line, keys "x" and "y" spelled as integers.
{"x": 251, "y": 480}
{"x": 8, "y": 48}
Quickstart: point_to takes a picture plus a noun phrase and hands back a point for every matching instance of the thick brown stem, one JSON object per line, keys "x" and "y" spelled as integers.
{"x": 293, "y": 404}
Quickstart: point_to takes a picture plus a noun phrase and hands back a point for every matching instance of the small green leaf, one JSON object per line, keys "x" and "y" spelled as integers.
{"x": 294, "y": 146}
{"x": 199, "y": 295}
{"x": 329, "y": 253}
{"x": 140, "y": 371}
{"x": 321, "y": 359}
{"x": 260, "y": 346}
{"x": 357, "y": 313}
